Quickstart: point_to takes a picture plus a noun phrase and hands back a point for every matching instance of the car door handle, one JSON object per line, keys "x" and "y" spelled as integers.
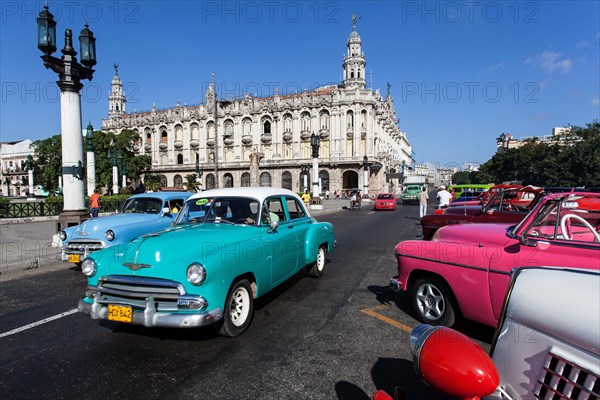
{"x": 290, "y": 226}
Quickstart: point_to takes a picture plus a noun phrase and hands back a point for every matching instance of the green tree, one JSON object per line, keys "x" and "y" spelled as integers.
{"x": 107, "y": 144}
{"x": 47, "y": 165}
{"x": 191, "y": 183}
{"x": 461, "y": 178}
{"x": 152, "y": 182}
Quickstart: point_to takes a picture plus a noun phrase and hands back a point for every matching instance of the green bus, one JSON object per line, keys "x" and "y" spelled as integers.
{"x": 474, "y": 188}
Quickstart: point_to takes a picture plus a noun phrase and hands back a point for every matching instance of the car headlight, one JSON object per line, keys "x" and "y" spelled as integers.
{"x": 110, "y": 235}
{"x": 196, "y": 274}
{"x": 62, "y": 235}
{"x": 88, "y": 267}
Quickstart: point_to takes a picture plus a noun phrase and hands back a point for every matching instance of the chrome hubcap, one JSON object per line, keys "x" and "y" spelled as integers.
{"x": 430, "y": 302}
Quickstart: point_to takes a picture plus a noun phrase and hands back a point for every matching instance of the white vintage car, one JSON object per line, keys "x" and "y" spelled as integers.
{"x": 547, "y": 343}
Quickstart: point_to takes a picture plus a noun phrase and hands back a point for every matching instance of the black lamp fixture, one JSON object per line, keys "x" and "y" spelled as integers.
{"x": 87, "y": 47}
{"x": 89, "y": 135}
{"x": 46, "y": 32}
{"x": 315, "y": 142}
{"x": 71, "y": 72}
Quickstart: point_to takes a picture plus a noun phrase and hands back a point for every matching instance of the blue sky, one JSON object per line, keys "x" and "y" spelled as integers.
{"x": 461, "y": 72}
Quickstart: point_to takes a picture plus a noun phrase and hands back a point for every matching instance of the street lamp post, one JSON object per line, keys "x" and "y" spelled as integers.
{"x": 70, "y": 73}
{"x": 115, "y": 160}
{"x": 30, "y": 175}
{"x": 366, "y": 176}
{"x": 315, "y": 142}
{"x": 91, "y": 161}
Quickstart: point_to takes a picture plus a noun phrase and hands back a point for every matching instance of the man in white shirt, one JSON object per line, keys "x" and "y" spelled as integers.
{"x": 443, "y": 197}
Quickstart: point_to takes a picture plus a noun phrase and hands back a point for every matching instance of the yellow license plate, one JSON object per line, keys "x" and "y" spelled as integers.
{"x": 119, "y": 313}
{"x": 74, "y": 258}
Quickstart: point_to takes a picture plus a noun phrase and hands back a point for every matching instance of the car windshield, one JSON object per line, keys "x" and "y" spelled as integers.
{"x": 575, "y": 218}
{"x": 234, "y": 210}
{"x": 385, "y": 197}
{"x": 149, "y": 205}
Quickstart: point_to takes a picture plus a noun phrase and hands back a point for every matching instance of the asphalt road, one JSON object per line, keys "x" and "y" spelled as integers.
{"x": 342, "y": 336}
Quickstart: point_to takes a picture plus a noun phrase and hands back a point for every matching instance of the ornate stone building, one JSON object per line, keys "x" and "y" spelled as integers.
{"x": 352, "y": 121}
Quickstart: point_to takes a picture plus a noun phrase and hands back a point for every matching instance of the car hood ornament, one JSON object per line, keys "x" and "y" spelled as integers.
{"x": 136, "y": 266}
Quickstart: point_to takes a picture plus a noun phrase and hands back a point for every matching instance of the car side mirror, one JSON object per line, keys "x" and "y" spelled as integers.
{"x": 526, "y": 241}
{"x": 273, "y": 226}
{"x": 452, "y": 362}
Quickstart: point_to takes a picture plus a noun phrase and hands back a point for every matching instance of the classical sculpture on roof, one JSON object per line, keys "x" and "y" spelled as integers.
{"x": 355, "y": 19}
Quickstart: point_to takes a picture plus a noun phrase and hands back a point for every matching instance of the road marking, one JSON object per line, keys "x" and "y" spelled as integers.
{"x": 40, "y": 322}
{"x": 372, "y": 212}
{"x": 371, "y": 312}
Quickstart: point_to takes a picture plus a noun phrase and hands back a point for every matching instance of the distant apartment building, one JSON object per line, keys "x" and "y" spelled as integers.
{"x": 13, "y": 174}
{"x": 507, "y": 141}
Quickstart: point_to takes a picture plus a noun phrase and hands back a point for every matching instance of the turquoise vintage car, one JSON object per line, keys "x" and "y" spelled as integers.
{"x": 226, "y": 248}
{"x": 140, "y": 214}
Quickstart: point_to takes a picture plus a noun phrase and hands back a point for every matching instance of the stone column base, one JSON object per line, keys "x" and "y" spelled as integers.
{"x": 71, "y": 218}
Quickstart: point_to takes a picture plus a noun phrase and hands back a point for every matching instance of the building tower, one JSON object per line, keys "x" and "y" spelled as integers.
{"x": 116, "y": 99}
{"x": 354, "y": 61}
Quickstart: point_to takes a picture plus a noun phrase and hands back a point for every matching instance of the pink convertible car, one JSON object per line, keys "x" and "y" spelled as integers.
{"x": 465, "y": 270}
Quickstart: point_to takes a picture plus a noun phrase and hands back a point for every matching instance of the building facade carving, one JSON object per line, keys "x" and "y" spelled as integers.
{"x": 352, "y": 122}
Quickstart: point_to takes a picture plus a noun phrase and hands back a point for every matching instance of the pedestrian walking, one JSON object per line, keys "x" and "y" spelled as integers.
{"x": 423, "y": 197}
{"x": 443, "y": 197}
{"x": 95, "y": 203}
{"x": 306, "y": 198}
{"x": 327, "y": 194}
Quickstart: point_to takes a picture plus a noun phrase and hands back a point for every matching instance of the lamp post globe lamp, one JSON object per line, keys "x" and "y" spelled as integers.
{"x": 315, "y": 142}
{"x": 70, "y": 73}
{"x": 90, "y": 160}
{"x": 366, "y": 176}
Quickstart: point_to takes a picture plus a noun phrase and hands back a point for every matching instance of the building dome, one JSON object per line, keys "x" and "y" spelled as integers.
{"x": 354, "y": 37}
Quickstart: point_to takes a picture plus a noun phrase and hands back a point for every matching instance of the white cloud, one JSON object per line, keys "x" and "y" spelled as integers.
{"x": 550, "y": 61}
{"x": 494, "y": 67}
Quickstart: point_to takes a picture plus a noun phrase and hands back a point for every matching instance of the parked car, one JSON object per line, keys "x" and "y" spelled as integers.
{"x": 465, "y": 270}
{"x": 472, "y": 189}
{"x": 546, "y": 345}
{"x": 508, "y": 205}
{"x": 227, "y": 247}
{"x": 140, "y": 214}
{"x": 385, "y": 201}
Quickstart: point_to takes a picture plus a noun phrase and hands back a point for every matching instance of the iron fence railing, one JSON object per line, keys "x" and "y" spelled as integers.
{"x": 45, "y": 209}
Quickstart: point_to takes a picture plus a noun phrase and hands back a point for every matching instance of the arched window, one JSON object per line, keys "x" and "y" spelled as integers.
{"x": 164, "y": 137}
{"x": 324, "y": 178}
{"x": 287, "y": 122}
{"x": 304, "y": 180}
{"x": 148, "y": 137}
{"x": 305, "y": 121}
{"x": 265, "y": 179}
{"x": 246, "y": 126}
{"x": 210, "y": 181}
{"x": 178, "y": 132}
{"x": 195, "y": 130}
{"x": 324, "y": 120}
{"x": 180, "y": 159}
{"x": 350, "y": 119}
{"x": 286, "y": 180}
{"x": 163, "y": 181}
{"x": 227, "y": 180}
{"x": 245, "y": 182}
{"x": 267, "y": 127}
{"x": 178, "y": 181}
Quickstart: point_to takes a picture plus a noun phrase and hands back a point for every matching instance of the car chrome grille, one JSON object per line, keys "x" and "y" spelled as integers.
{"x": 77, "y": 247}
{"x": 134, "y": 291}
{"x": 565, "y": 380}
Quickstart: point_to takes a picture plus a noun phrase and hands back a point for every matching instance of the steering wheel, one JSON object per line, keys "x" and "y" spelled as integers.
{"x": 565, "y": 232}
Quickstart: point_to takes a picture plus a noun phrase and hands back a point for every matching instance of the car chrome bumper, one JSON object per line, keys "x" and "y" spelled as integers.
{"x": 395, "y": 284}
{"x": 149, "y": 317}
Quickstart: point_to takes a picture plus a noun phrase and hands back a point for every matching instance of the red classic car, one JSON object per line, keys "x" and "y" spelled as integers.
{"x": 465, "y": 270}
{"x": 507, "y": 205}
{"x": 385, "y": 201}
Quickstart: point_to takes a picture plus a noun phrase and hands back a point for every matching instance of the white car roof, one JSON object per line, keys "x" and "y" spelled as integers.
{"x": 259, "y": 193}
